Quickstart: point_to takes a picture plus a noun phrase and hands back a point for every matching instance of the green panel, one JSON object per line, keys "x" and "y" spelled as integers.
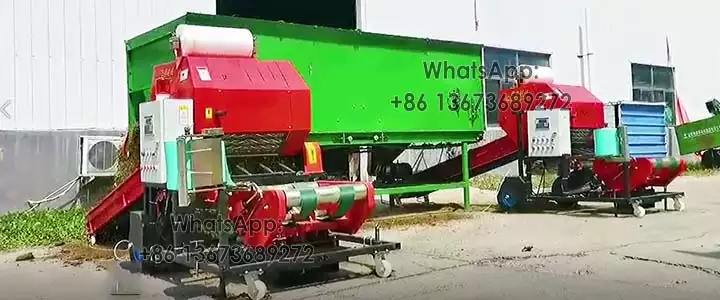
{"x": 144, "y": 52}
{"x": 354, "y": 78}
{"x": 699, "y": 135}
{"x": 346, "y": 201}
{"x": 171, "y": 166}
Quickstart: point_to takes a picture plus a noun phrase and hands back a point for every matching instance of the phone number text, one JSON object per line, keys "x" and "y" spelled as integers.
{"x": 234, "y": 254}
{"x": 473, "y": 102}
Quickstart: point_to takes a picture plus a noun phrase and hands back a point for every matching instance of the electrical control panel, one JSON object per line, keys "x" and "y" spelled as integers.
{"x": 548, "y": 133}
{"x": 161, "y": 122}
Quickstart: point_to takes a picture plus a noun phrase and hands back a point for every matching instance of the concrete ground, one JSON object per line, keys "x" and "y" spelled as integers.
{"x": 580, "y": 254}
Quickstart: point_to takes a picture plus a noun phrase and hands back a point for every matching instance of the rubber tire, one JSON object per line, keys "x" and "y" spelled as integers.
{"x": 716, "y": 158}
{"x": 512, "y": 194}
{"x": 555, "y": 190}
{"x": 575, "y": 180}
{"x": 707, "y": 159}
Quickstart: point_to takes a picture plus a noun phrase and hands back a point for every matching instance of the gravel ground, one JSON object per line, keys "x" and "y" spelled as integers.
{"x": 581, "y": 254}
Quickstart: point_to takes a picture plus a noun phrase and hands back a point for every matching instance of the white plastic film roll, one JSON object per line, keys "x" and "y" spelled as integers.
{"x": 535, "y": 73}
{"x": 206, "y": 40}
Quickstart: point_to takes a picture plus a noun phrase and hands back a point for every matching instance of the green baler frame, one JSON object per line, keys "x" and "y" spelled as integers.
{"x": 365, "y": 105}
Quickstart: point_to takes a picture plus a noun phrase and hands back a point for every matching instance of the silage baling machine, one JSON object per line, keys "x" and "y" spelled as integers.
{"x": 219, "y": 117}
{"x": 271, "y": 132}
{"x": 238, "y": 132}
{"x": 620, "y": 161}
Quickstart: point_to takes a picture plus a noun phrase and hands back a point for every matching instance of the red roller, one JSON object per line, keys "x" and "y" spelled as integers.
{"x": 294, "y": 213}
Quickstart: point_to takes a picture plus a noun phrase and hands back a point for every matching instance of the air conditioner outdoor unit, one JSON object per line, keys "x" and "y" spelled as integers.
{"x": 99, "y": 155}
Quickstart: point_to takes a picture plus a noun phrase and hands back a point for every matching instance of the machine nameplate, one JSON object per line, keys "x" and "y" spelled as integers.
{"x": 184, "y": 114}
{"x": 148, "y": 125}
{"x": 542, "y": 124}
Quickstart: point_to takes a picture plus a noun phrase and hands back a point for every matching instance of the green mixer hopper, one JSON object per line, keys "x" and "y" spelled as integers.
{"x": 699, "y": 135}
{"x": 359, "y": 81}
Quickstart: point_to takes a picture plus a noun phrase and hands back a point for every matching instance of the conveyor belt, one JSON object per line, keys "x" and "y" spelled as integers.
{"x": 482, "y": 159}
{"x": 115, "y": 203}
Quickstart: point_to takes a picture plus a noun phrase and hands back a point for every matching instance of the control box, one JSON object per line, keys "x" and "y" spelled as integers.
{"x": 548, "y": 133}
{"x": 161, "y": 122}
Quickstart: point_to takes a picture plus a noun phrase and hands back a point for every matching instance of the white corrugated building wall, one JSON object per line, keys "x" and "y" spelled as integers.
{"x": 64, "y": 60}
{"x": 64, "y": 75}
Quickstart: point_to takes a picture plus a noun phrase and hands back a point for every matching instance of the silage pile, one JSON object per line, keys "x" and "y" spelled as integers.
{"x": 129, "y": 159}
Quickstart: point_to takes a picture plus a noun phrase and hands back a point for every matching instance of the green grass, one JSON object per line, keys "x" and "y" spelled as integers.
{"x": 698, "y": 170}
{"x": 41, "y": 228}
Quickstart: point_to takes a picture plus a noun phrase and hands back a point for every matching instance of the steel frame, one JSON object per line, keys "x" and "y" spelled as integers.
{"x": 252, "y": 271}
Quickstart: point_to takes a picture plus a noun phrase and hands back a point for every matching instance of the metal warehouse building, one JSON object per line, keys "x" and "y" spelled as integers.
{"x": 65, "y": 75}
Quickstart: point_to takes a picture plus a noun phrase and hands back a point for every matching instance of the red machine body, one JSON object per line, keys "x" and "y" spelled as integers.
{"x": 163, "y": 75}
{"x": 241, "y": 95}
{"x": 245, "y": 96}
{"x": 586, "y": 110}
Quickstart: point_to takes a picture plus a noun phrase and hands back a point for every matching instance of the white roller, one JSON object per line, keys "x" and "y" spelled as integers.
{"x": 529, "y": 73}
{"x": 206, "y": 40}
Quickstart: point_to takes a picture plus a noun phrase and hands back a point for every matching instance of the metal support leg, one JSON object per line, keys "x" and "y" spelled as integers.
{"x": 223, "y": 242}
{"x": 383, "y": 268}
{"x": 628, "y": 192}
{"x": 222, "y": 291}
{"x": 466, "y": 176}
